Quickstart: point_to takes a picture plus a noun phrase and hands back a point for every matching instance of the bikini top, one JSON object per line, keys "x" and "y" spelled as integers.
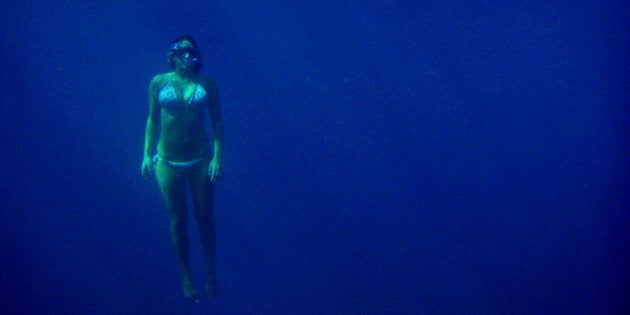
{"x": 168, "y": 98}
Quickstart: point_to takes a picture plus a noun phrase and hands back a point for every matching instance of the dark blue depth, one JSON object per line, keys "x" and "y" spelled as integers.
{"x": 381, "y": 157}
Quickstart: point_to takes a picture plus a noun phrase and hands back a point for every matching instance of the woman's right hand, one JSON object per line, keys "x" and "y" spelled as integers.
{"x": 147, "y": 167}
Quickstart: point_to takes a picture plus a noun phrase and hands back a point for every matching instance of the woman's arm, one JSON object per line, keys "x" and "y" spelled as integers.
{"x": 214, "y": 109}
{"x": 153, "y": 123}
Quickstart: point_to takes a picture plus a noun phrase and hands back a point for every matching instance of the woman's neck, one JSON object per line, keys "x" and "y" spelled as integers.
{"x": 185, "y": 75}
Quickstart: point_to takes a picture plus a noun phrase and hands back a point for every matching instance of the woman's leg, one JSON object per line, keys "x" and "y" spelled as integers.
{"x": 202, "y": 191}
{"x": 172, "y": 185}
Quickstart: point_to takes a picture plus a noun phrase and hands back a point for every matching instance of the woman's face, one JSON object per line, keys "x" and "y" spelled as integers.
{"x": 186, "y": 55}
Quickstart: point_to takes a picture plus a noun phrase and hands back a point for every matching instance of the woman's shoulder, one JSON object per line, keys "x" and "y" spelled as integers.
{"x": 162, "y": 77}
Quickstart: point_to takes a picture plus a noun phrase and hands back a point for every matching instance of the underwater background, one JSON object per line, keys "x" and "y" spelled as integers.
{"x": 381, "y": 157}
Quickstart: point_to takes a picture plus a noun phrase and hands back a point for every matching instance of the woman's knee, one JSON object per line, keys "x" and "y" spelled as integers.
{"x": 203, "y": 202}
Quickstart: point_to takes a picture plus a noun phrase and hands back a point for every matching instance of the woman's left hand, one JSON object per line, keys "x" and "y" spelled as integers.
{"x": 214, "y": 169}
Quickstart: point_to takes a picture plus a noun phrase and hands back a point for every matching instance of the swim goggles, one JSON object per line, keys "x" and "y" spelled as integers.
{"x": 189, "y": 55}
{"x": 183, "y": 51}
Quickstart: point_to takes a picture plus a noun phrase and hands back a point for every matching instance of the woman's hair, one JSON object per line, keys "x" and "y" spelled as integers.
{"x": 171, "y": 52}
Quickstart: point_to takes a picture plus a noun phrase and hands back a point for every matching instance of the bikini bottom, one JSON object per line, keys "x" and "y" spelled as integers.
{"x": 183, "y": 167}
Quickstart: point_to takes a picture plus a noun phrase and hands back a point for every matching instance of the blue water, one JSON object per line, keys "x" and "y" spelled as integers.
{"x": 381, "y": 157}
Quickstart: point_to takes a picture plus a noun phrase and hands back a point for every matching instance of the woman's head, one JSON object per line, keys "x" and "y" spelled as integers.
{"x": 185, "y": 50}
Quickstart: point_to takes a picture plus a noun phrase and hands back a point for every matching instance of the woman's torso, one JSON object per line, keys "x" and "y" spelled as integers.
{"x": 182, "y": 104}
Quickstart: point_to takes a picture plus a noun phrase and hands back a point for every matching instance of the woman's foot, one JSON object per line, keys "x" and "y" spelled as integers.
{"x": 190, "y": 292}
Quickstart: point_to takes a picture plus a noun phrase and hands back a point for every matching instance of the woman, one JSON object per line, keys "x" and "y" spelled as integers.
{"x": 176, "y": 103}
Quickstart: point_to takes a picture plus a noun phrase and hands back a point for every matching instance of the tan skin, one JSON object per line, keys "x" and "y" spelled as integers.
{"x": 183, "y": 138}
